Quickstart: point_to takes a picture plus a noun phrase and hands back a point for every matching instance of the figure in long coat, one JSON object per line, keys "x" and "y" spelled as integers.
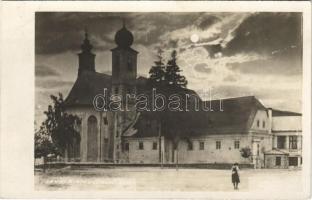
{"x": 235, "y": 176}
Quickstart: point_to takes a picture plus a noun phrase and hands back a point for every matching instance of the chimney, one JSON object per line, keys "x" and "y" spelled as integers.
{"x": 270, "y": 120}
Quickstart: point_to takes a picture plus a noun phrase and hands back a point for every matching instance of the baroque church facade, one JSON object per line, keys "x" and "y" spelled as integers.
{"x": 180, "y": 137}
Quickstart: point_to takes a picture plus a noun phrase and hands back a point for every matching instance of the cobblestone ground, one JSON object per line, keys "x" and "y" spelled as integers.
{"x": 156, "y": 179}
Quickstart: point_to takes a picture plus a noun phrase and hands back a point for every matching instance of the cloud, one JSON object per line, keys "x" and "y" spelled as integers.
{"x": 53, "y": 84}
{"x": 264, "y": 33}
{"x": 45, "y": 71}
{"x": 202, "y": 67}
{"x": 289, "y": 66}
{"x": 206, "y": 21}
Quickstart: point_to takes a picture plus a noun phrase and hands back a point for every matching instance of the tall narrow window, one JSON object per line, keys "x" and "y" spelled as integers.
{"x": 154, "y": 145}
{"x": 218, "y": 144}
{"x": 141, "y": 146}
{"x": 278, "y": 161}
{"x": 236, "y": 144}
{"x": 190, "y": 146}
{"x": 292, "y": 142}
{"x": 201, "y": 145}
{"x": 281, "y": 141}
{"x": 263, "y": 124}
{"x": 258, "y": 123}
{"x": 105, "y": 120}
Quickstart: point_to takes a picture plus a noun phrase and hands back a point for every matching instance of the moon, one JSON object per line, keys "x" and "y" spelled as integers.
{"x": 194, "y": 38}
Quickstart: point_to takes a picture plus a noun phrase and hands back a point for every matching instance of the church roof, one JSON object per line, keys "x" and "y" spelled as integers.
{"x": 86, "y": 87}
{"x": 237, "y": 117}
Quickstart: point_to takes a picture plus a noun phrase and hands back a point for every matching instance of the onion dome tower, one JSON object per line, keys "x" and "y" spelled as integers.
{"x": 86, "y": 57}
{"x": 124, "y": 73}
{"x": 124, "y": 61}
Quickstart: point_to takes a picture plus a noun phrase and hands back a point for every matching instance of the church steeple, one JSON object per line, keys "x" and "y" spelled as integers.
{"x": 86, "y": 57}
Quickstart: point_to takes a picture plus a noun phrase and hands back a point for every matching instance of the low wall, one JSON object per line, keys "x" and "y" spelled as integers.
{"x": 115, "y": 165}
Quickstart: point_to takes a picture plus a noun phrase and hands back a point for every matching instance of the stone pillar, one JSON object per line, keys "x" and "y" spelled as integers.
{"x": 163, "y": 149}
{"x": 99, "y": 137}
{"x": 83, "y": 142}
{"x": 287, "y": 142}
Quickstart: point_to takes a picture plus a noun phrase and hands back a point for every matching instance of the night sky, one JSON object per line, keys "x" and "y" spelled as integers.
{"x": 235, "y": 54}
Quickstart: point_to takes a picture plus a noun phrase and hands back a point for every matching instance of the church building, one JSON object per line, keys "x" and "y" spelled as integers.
{"x": 171, "y": 137}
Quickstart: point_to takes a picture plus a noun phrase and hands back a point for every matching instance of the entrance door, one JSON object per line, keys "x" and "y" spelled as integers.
{"x": 92, "y": 139}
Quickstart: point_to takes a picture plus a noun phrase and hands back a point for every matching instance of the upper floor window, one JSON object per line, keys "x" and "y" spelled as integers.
{"x": 236, "y": 144}
{"x": 281, "y": 141}
{"x": 154, "y": 145}
{"x": 293, "y": 142}
{"x": 263, "y": 124}
{"x": 201, "y": 145}
{"x": 141, "y": 146}
{"x": 258, "y": 123}
{"x": 218, "y": 144}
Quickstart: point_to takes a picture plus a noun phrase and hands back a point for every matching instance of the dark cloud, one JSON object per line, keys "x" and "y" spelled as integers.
{"x": 264, "y": 33}
{"x": 213, "y": 49}
{"x": 289, "y": 66}
{"x": 59, "y": 32}
{"x": 45, "y": 71}
{"x": 202, "y": 67}
{"x": 207, "y": 21}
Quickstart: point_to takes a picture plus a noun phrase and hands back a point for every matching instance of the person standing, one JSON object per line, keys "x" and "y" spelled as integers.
{"x": 235, "y": 176}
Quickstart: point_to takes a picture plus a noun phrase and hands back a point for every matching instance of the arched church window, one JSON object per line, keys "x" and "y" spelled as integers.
{"x": 105, "y": 120}
{"x": 92, "y": 138}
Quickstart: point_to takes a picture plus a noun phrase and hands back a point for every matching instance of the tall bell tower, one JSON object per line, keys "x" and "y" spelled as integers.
{"x": 124, "y": 73}
{"x": 86, "y": 57}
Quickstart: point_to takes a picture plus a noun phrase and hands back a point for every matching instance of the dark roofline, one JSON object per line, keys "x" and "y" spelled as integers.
{"x": 280, "y": 113}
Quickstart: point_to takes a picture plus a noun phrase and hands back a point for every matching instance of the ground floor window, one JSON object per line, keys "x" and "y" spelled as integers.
{"x": 278, "y": 161}
{"x": 141, "y": 146}
{"x": 236, "y": 144}
{"x": 201, "y": 145}
{"x": 218, "y": 144}
{"x": 154, "y": 145}
{"x": 293, "y": 161}
{"x": 190, "y": 146}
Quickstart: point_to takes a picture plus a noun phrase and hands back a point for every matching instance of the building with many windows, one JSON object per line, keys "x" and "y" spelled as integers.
{"x": 287, "y": 140}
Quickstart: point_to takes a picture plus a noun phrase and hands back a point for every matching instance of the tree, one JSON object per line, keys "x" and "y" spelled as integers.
{"x": 172, "y": 72}
{"x": 245, "y": 152}
{"x": 44, "y": 145}
{"x": 59, "y": 125}
{"x": 157, "y": 72}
